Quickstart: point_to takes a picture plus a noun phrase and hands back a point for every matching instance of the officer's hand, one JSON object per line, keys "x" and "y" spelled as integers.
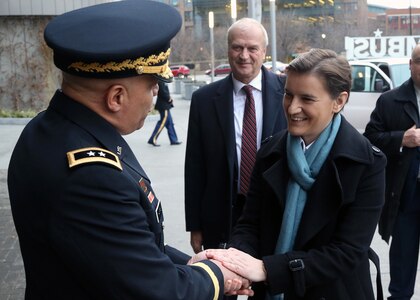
{"x": 198, "y": 257}
{"x": 234, "y": 284}
{"x": 196, "y": 241}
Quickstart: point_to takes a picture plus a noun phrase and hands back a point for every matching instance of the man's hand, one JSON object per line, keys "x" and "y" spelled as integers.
{"x": 411, "y": 137}
{"x": 234, "y": 284}
{"x": 198, "y": 257}
{"x": 196, "y": 241}
{"x": 240, "y": 263}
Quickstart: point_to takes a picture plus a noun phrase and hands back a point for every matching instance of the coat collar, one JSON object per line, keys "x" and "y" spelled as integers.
{"x": 272, "y": 97}
{"x": 407, "y": 94}
{"x": 348, "y": 143}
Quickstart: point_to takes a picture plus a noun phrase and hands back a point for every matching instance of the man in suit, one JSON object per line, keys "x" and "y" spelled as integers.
{"x": 214, "y": 193}
{"x": 164, "y": 103}
{"x": 394, "y": 128}
{"x": 88, "y": 220}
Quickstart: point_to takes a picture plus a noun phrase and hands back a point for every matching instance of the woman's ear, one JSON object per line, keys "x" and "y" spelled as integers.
{"x": 115, "y": 97}
{"x": 340, "y": 101}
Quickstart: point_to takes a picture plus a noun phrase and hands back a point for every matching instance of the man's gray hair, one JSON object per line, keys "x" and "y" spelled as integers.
{"x": 245, "y": 23}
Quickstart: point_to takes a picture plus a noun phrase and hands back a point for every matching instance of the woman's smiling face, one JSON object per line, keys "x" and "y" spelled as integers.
{"x": 308, "y": 105}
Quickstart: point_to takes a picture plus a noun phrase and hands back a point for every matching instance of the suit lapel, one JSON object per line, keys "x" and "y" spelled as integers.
{"x": 407, "y": 94}
{"x": 321, "y": 206}
{"x": 276, "y": 177}
{"x": 223, "y": 102}
{"x": 272, "y": 95}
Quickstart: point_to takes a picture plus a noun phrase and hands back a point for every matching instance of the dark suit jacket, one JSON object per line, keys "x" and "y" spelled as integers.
{"x": 395, "y": 112}
{"x": 337, "y": 225}
{"x": 211, "y": 163}
{"x": 92, "y": 231}
{"x": 163, "y": 98}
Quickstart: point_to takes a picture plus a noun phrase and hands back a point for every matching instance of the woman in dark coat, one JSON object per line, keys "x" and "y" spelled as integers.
{"x": 316, "y": 195}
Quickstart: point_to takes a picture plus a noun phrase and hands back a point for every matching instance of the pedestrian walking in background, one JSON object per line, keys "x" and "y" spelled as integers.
{"x": 394, "y": 127}
{"x": 164, "y": 103}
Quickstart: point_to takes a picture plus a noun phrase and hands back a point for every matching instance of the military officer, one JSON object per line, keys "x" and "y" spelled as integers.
{"x": 88, "y": 220}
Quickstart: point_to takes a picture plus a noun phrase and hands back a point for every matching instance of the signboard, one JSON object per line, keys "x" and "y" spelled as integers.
{"x": 379, "y": 46}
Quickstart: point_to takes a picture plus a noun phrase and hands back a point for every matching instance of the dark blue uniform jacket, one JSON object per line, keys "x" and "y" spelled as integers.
{"x": 89, "y": 223}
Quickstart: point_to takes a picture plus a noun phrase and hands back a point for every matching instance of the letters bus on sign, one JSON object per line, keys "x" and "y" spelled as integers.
{"x": 379, "y": 46}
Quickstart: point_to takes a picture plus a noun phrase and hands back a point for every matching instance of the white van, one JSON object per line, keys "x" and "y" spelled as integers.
{"x": 371, "y": 77}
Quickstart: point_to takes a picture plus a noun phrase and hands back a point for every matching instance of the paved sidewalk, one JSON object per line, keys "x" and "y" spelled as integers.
{"x": 164, "y": 165}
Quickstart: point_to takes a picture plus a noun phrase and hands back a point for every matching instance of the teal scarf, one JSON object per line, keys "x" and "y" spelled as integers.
{"x": 304, "y": 168}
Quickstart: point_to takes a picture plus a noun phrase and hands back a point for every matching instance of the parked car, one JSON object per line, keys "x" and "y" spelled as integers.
{"x": 372, "y": 77}
{"x": 180, "y": 71}
{"x": 280, "y": 66}
{"x": 220, "y": 70}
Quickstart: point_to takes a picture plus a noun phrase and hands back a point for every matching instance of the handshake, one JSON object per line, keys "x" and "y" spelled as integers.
{"x": 239, "y": 269}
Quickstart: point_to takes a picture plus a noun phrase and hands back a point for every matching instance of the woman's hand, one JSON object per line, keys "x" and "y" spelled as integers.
{"x": 239, "y": 262}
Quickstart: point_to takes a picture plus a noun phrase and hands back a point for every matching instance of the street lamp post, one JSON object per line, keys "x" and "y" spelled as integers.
{"x": 411, "y": 20}
{"x": 323, "y": 40}
{"x": 273, "y": 35}
{"x": 211, "y": 26}
{"x": 233, "y": 12}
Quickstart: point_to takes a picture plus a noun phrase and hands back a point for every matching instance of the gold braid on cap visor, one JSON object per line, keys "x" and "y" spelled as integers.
{"x": 141, "y": 65}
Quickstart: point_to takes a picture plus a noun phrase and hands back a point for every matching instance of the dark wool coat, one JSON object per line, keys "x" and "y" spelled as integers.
{"x": 211, "y": 162}
{"x": 93, "y": 229}
{"x": 337, "y": 226}
{"x": 395, "y": 112}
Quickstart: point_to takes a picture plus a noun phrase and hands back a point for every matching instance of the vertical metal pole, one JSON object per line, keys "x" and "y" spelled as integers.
{"x": 411, "y": 20}
{"x": 211, "y": 25}
{"x": 233, "y": 11}
{"x": 273, "y": 35}
{"x": 255, "y": 9}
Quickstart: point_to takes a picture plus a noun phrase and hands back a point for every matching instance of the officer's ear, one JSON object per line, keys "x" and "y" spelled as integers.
{"x": 115, "y": 97}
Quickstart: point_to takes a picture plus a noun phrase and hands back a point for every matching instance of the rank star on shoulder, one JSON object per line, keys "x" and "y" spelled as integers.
{"x": 91, "y": 153}
{"x": 101, "y": 154}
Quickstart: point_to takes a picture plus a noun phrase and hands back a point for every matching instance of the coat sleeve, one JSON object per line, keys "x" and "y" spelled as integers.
{"x": 381, "y": 130}
{"x": 100, "y": 231}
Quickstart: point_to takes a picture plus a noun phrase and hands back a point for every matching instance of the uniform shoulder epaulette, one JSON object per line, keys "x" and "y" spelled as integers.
{"x": 93, "y": 155}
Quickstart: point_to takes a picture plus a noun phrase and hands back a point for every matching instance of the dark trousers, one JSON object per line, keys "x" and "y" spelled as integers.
{"x": 236, "y": 213}
{"x": 404, "y": 252}
{"x": 165, "y": 121}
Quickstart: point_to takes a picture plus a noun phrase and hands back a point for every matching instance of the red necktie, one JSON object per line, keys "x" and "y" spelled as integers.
{"x": 249, "y": 141}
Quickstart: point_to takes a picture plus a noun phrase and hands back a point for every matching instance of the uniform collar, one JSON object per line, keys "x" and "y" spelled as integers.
{"x": 95, "y": 125}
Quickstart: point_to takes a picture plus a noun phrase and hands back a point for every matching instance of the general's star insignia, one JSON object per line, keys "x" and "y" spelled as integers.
{"x": 93, "y": 155}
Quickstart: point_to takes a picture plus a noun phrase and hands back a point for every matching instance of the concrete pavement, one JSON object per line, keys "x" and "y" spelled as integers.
{"x": 165, "y": 167}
